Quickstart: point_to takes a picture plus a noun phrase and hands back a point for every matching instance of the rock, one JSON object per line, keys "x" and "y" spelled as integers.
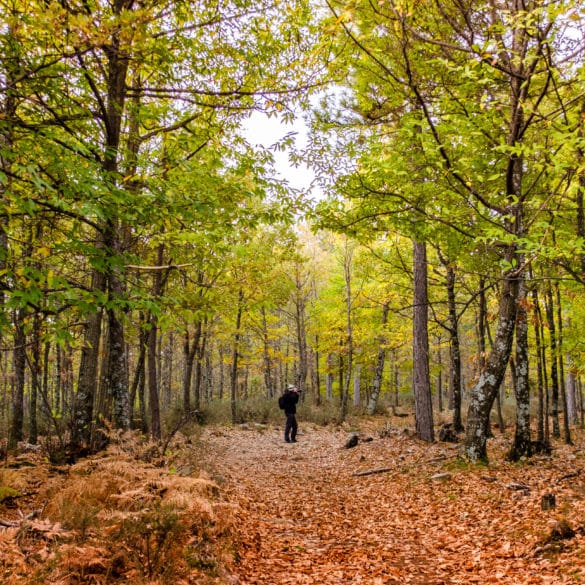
{"x": 351, "y": 442}
{"x": 441, "y": 476}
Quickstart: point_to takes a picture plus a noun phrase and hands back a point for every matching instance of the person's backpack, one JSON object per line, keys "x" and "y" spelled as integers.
{"x": 281, "y": 402}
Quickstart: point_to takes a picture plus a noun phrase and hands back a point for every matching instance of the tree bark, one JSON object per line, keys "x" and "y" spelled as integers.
{"x": 87, "y": 380}
{"x": 153, "y": 390}
{"x": 540, "y": 370}
{"x": 189, "y": 353}
{"x": 329, "y": 376}
{"x": 554, "y": 377}
{"x": 564, "y": 400}
{"x": 423, "y": 404}
{"x": 345, "y": 380}
{"x": 484, "y": 392}
{"x": 357, "y": 386}
{"x": 139, "y": 368}
{"x": 268, "y": 375}
{"x": 203, "y": 335}
{"x": 35, "y": 380}
{"x": 522, "y": 445}
{"x": 317, "y": 373}
{"x": 301, "y": 330}
{"x": 454, "y": 349}
{"x": 19, "y": 364}
{"x": 380, "y": 362}
{"x": 235, "y": 355}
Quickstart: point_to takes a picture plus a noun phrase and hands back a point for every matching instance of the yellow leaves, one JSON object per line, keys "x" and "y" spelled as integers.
{"x": 344, "y": 17}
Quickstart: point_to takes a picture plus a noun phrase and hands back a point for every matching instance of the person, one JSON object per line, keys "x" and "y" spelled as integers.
{"x": 289, "y": 401}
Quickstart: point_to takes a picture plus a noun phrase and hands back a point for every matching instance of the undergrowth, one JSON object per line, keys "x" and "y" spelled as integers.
{"x": 119, "y": 517}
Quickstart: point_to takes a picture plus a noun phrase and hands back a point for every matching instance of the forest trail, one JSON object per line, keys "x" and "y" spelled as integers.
{"x": 304, "y": 517}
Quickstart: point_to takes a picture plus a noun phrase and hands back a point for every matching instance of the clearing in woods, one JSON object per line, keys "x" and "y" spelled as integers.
{"x": 397, "y": 510}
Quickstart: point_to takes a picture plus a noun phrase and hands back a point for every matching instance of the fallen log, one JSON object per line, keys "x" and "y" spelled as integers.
{"x": 372, "y": 471}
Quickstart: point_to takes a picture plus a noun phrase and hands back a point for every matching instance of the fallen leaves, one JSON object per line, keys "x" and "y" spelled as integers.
{"x": 395, "y": 510}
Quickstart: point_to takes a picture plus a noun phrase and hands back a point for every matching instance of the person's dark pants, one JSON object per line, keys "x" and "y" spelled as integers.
{"x": 290, "y": 429}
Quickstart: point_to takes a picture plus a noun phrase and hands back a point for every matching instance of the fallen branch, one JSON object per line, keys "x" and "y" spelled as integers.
{"x": 23, "y": 518}
{"x": 9, "y": 523}
{"x": 567, "y": 476}
{"x": 372, "y": 471}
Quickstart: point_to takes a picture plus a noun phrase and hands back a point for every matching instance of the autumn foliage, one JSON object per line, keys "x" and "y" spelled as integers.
{"x": 307, "y": 516}
{"x": 127, "y": 515}
{"x": 237, "y": 505}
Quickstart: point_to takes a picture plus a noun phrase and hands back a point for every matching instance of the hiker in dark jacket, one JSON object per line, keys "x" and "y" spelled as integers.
{"x": 289, "y": 400}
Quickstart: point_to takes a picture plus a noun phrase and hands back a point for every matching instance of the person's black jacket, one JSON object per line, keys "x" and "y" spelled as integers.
{"x": 290, "y": 400}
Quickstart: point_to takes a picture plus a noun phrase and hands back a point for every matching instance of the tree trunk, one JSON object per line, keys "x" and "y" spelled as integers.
{"x": 564, "y": 401}
{"x": 554, "y": 379}
{"x": 329, "y": 376}
{"x": 139, "y": 367}
{"x": 235, "y": 354}
{"x": 301, "y": 330}
{"x": 203, "y": 334}
{"x": 540, "y": 369}
{"x": 51, "y": 402}
{"x": 117, "y": 372}
{"x": 440, "y": 376}
{"x": 317, "y": 373}
{"x": 167, "y": 367}
{"x": 35, "y": 365}
{"x": 499, "y": 411}
{"x": 19, "y": 356}
{"x": 423, "y": 404}
{"x": 454, "y": 349}
{"x": 58, "y": 380}
{"x": 357, "y": 386}
{"x": 189, "y": 353}
{"x": 571, "y": 393}
{"x": 153, "y": 390}
{"x": 379, "y": 372}
{"x": 522, "y": 445}
{"x": 484, "y": 392}
{"x": 142, "y": 392}
{"x": 87, "y": 381}
{"x": 221, "y": 372}
{"x": 117, "y": 390}
{"x": 580, "y": 401}
{"x": 581, "y": 190}
{"x": 208, "y": 377}
{"x": 268, "y": 375}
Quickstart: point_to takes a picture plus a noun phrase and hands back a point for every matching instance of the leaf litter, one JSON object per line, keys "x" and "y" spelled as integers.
{"x": 253, "y": 510}
{"x": 397, "y": 510}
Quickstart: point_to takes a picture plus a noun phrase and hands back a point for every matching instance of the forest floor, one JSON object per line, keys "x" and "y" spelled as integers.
{"x": 307, "y": 516}
{"x": 236, "y": 505}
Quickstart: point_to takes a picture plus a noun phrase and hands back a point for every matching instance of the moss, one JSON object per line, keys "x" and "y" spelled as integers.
{"x": 6, "y": 493}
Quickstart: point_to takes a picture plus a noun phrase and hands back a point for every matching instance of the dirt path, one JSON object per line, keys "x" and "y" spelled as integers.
{"x": 305, "y": 518}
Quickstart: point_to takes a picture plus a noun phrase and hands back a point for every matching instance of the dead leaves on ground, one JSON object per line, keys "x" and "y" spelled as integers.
{"x": 311, "y": 514}
{"x": 389, "y": 511}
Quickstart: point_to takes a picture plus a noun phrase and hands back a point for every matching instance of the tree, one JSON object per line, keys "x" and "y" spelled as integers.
{"x": 128, "y": 114}
{"x": 461, "y": 98}
{"x": 423, "y": 406}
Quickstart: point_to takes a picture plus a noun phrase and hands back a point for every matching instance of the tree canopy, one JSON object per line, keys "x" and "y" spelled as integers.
{"x": 152, "y": 262}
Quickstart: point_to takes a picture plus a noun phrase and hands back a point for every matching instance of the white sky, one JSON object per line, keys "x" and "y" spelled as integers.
{"x": 259, "y": 129}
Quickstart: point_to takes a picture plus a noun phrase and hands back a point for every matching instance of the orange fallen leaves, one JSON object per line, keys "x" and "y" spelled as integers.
{"x": 305, "y": 518}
